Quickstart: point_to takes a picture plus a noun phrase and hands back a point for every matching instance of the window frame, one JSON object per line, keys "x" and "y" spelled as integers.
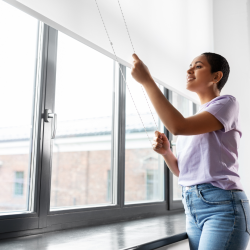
{"x": 14, "y": 223}
{"x": 172, "y": 204}
{"x": 42, "y": 219}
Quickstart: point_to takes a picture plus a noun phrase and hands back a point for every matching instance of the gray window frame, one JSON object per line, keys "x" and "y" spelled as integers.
{"x": 42, "y": 219}
{"x": 172, "y": 204}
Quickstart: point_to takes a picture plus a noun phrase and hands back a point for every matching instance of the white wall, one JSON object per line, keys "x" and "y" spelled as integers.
{"x": 167, "y": 34}
{"x": 232, "y": 40}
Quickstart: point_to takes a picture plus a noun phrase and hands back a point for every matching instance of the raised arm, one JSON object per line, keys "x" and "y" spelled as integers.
{"x": 173, "y": 120}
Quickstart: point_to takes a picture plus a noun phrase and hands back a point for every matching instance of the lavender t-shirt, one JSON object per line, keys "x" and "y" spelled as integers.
{"x": 212, "y": 157}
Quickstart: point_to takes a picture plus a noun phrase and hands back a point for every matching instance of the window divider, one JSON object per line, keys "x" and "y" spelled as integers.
{"x": 172, "y": 204}
{"x": 121, "y": 130}
{"x": 49, "y": 80}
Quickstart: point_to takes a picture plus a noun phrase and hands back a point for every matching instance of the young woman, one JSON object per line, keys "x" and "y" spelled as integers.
{"x": 216, "y": 206}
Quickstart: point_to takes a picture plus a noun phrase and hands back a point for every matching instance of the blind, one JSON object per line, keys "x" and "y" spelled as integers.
{"x": 167, "y": 34}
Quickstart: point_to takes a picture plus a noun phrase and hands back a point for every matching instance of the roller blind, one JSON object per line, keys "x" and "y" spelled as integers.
{"x": 167, "y": 34}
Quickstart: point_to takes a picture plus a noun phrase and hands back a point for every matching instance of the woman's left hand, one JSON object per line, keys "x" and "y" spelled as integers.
{"x": 140, "y": 71}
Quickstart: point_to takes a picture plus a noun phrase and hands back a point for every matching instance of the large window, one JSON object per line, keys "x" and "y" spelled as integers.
{"x": 18, "y": 99}
{"x": 73, "y": 149}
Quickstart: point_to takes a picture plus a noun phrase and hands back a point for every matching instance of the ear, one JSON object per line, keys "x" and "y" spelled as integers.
{"x": 217, "y": 76}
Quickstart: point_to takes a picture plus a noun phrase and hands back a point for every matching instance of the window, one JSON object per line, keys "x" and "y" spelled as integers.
{"x": 18, "y": 188}
{"x": 139, "y": 155}
{"x": 18, "y": 108}
{"x": 101, "y": 160}
{"x": 82, "y": 147}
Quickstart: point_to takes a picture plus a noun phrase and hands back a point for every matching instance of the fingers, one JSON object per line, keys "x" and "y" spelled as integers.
{"x": 135, "y": 57}
{"x": 164, "y": 137}
{"x": 157, "y": 143}
{"x": 157, "y": 146}
{"x": 158, "y": 140}
{"x": 158, "y": 134}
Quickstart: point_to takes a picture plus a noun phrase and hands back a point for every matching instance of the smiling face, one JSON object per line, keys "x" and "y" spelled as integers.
{"x": 199, "y": 76}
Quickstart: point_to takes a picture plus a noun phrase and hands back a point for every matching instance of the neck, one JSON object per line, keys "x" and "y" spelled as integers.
{"x": 208, "y": 96}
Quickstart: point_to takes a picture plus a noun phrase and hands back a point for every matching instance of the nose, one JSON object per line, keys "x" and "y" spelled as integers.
{"x": 190, "y": 70}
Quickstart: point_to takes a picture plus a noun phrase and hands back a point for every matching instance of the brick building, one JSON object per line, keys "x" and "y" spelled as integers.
{"x": 81, "y": 165}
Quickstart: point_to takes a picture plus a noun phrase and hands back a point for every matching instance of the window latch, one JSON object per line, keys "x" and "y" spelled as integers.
{"x": 48, "y": 114}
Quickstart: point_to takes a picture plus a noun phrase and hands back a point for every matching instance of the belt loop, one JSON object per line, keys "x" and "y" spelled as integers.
{"x": 197, "y": 191}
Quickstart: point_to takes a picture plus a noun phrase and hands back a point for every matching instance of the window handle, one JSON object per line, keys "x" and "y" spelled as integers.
{"x": 48, "y": 114}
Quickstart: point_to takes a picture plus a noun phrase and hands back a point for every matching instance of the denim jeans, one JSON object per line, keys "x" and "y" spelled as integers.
{"x": 216, "y": 219}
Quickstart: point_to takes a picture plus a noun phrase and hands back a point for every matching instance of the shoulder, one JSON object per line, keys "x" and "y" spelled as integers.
{"x": 224, "y": 98}
{"x": 227, "y": 100}
{"x": 224, "y": 105}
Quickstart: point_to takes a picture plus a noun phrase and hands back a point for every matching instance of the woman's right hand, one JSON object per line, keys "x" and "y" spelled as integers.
{"x": 161, "y": 144}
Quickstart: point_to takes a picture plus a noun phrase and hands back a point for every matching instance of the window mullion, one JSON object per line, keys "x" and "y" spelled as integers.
{"x": 120, "y": 132}
{"x": 49, "y": 79}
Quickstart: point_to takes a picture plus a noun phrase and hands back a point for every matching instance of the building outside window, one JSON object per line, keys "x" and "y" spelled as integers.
{"x": 151, "y": 183}
{"x": 18, "y": 184}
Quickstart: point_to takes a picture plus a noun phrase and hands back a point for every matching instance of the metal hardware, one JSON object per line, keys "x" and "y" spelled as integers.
{"x": 48, "y": 114}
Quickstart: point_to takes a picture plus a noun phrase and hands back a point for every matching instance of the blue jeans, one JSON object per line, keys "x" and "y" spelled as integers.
{"x": 216, "y": 219}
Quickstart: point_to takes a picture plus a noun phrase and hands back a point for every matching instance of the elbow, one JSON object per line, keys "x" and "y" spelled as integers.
{"x": 177, "y": 174}
{"x": 178, "y": 127}
{"x": 178, "y": 130}
{"x": 175, "y": 132}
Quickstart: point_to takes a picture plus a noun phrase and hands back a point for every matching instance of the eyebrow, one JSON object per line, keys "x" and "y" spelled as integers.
{"x": 196, "y": 62}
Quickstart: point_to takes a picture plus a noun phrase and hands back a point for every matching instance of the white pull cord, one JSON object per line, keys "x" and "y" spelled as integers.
{"x": 122, "y": 72}
{"x": 134, "y": 53}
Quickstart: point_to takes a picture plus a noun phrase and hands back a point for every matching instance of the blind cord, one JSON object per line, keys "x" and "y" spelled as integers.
{"x": 116, "y": 59}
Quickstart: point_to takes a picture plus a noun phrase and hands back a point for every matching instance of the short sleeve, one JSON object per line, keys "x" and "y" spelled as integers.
{"x": 226, "y": 110}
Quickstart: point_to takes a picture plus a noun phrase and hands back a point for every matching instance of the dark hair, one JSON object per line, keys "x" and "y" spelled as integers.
{"x": 218, "y": 63}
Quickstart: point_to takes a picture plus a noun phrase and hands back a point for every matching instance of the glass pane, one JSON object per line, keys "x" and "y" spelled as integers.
{"x": 186, "y": 108}
{"x": 18, "y": 52}
{"x": 19, "y": 183}
{"x": 82, "y": 148}
{"x": 144, "y": 168}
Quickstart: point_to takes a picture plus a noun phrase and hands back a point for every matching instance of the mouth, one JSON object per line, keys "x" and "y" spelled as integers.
{"x": 189, "y": 79}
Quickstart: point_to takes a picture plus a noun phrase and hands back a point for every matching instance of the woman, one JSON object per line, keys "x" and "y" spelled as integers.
{"x": 216, "y": 206}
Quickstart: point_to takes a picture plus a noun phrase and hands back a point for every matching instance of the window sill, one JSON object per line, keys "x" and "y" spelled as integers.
{"x": 147, "y": 233}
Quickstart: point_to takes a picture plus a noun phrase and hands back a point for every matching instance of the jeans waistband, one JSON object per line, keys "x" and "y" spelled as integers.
{"x": 200, "y": 187}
